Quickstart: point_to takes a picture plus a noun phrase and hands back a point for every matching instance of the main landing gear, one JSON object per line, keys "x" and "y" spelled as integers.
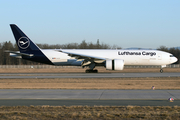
{"x": 91, "y": 71}
{"x": 91, "y": 68}
{"x": 161, "y": 70}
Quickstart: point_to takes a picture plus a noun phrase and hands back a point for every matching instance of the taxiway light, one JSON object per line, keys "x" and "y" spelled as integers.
{"x": 171, "y": 99}
{"x": 153, "y": 88}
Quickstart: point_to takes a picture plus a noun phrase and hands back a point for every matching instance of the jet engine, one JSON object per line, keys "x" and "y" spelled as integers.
{"x": 116, "y": 64}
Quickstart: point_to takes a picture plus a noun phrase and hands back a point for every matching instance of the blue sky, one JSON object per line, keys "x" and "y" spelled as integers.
{"x": 126, "y": 23}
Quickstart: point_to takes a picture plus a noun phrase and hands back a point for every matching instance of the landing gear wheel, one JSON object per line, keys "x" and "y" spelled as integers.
{"x": 161, "y": 70}
{"x": 91, "y": 71}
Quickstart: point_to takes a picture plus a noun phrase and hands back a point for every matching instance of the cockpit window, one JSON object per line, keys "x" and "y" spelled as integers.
{"x": 171, "y": 56}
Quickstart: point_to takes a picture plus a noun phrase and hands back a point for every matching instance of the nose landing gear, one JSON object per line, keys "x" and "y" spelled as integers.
{"x": 162, "y": 66}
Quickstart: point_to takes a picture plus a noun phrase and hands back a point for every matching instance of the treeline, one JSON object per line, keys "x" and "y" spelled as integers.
{"x": 5, "y": 59}
{"x": 82, "y": 45}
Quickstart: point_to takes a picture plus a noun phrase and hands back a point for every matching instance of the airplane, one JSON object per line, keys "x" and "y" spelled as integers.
{"x": 111, "y": 59}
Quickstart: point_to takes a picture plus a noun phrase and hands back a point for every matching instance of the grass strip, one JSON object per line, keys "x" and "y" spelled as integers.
{"x": 92, "y": 83}
{"x": 81, "y": 70}
{"x": 90, "y": 113}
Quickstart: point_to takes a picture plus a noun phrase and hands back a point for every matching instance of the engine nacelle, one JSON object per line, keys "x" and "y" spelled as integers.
{"x": 116, "y": 64}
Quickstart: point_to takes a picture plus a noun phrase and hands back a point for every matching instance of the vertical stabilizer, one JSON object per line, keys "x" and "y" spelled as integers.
{"x": 23, "y": 42}
{"x": 28, "y": 50}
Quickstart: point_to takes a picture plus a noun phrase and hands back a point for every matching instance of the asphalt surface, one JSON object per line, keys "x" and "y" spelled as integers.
{"x": 88, "y": 94}
{"x": 85, "y": 75}
{"x": 50, "y": 102}
{"x": 57, "y": 97}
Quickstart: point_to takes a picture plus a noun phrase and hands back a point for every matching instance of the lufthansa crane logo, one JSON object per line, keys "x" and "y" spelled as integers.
{"x": 23, "y": 42}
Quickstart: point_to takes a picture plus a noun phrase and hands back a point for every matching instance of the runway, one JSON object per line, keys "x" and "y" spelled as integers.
{"x": 13, "y": 97}
{"x": 49, "y": 102}
{"x": 84, "y": 75}
{"x": 88, "y": 94}
{"x": 58, "y": 97}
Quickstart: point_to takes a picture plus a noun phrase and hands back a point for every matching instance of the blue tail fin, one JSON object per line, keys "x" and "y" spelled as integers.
{"x": 23, "y": 42}
{"x": 28, "y": 50}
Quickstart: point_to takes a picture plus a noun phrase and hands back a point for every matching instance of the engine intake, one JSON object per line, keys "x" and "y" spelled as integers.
{"x": 116, "y": 64}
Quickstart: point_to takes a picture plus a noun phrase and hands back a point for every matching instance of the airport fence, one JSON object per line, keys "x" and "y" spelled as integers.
{"x": 51, "y": 66}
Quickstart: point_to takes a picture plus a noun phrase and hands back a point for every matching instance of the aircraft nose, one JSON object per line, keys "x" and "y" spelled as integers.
{"x": 174, "y": 60}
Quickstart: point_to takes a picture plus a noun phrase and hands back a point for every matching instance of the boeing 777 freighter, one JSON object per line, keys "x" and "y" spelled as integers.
{"x": 110, "y": 59}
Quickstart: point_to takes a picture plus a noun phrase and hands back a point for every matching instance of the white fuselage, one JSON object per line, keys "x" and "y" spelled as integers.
{"x": 130, "y": 57}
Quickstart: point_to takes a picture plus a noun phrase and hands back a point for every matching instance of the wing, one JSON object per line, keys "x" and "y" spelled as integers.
{"x": 88, "y": 59}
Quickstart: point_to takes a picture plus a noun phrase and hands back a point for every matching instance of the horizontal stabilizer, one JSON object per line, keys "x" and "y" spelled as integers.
{"x": 18, "y": 53}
